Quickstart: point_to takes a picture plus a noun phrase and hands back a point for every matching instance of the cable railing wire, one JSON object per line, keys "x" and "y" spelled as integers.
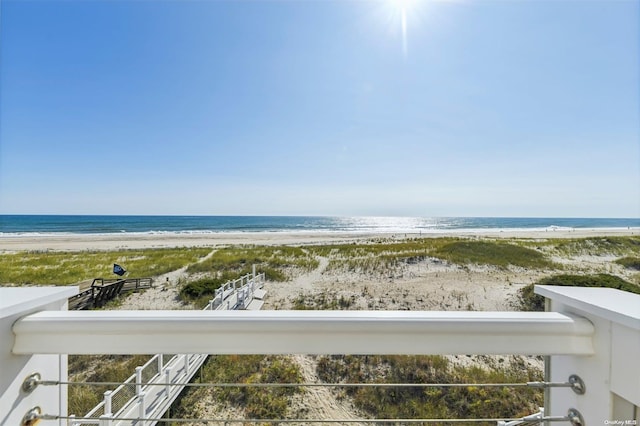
{"x": 334, "y": 385}
{"x": 300, "y": 420}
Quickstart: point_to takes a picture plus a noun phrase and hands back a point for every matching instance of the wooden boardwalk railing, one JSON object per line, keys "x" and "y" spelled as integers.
{"x": 103, "y": 290}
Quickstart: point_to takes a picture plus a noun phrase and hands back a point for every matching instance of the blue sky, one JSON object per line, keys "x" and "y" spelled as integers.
{"x": 476, "y": 108}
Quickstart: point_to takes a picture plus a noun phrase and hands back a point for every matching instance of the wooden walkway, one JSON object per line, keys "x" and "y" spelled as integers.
{"x": 103, "y": 290}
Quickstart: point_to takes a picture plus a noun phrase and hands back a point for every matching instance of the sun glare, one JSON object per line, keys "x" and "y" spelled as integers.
{"x": 404, "y": 4}
{"x": 402, "y": 9}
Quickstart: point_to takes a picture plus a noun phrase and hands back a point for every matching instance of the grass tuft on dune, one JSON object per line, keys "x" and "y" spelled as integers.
{"x": 64, "y": 268}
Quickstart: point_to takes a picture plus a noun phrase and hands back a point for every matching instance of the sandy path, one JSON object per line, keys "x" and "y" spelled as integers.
{"x": 164, "y": 293}
{"x": 306, "y": 281}
{"x": 281, "y": 294}
{"x": 320, "y": 402}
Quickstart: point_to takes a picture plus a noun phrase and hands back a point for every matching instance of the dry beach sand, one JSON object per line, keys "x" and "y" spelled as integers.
{"x": 136, "y": 241}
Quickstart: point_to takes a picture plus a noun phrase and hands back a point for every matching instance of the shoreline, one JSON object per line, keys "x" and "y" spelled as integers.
{"x": 79, "y": 242}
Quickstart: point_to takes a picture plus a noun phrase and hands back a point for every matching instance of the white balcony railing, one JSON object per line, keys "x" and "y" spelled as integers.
{"x": 588, "y": 332}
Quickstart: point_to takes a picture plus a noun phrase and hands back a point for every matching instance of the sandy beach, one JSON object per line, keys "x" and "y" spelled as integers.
{"x": 77, "y": 242}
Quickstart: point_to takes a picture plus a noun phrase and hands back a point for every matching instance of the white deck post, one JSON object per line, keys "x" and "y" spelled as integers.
{"x": 160, "y": 366}
{"x": 138, "y": 380}
{"x": 142, "y": 413}
{"x": 107, "y": 403}
{"x": 105, "y": 419}
{"x": 15, "y": 401}
{"x": 612, "y": 374}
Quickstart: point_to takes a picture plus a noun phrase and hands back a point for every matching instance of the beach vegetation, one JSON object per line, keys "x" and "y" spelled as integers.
{"x": 256, "y": 402}
{"x": 204, "y": 286}
{"x": 629, "y": 262}
{"x": 66, "y": 267}
{"x": 431, "y": 402}
{"x": 324, "y": 301}
{"x": 598, "y": 246}
{"x": 376, "y": 257}
{"x": 98, "y": 368}
{"x": 492, "y": 253}
{"x": 389, "y": 256}
{"x": 529, "y": 301}
{"x": 198, "y": 292}
{"x": 278, "y": 263}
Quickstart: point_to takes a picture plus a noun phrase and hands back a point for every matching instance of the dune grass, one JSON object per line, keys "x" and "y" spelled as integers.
{"x": 200, "y": 291}
{"x": 386, "y": 256}
{"x": 279, "y": 262}
{"x": 64, "y": 268}
{"x": 98, "y": 368}
{"x": 492, "y": 253}
{"x": 257, "y": 403}
{"x": 324, "y": 301}
{"x": 597, "y": 246}
{"x": 379, "y": 256}
{"x": 630, "y": 262}
{"x": 275, "y": 261}
{"x": 418, "y": 402}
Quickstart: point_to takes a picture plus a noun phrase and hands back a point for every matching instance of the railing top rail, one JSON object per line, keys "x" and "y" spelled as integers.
{"x": 305, "y": 332}
{"x": 152, "y": 360}
{"x": 14, "y": 300}
{"x": 95, "y": 409}
{"x": 107, "y": 283}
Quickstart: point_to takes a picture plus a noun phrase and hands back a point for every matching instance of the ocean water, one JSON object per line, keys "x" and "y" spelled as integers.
{"x": 29, "y": 225}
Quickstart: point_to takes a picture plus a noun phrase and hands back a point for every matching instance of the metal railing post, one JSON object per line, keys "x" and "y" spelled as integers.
{"x": 160, "y": 365}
